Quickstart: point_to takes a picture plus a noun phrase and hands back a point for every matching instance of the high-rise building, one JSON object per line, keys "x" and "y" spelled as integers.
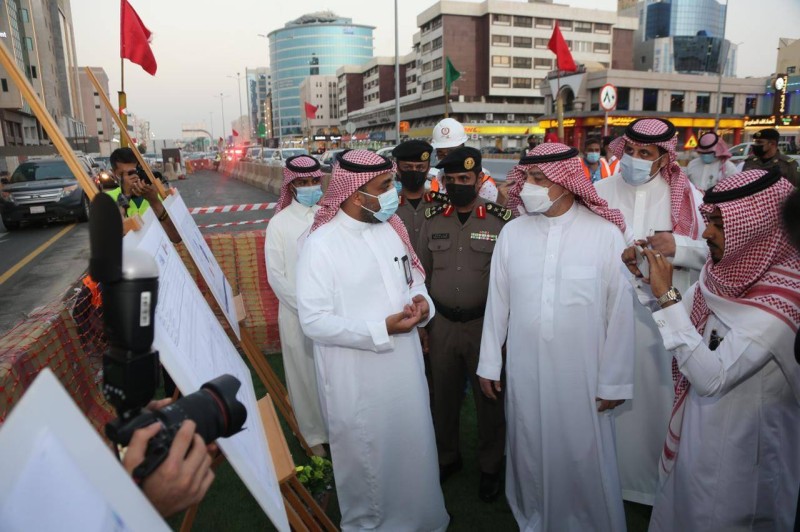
{"x": 96, "y": 116}
{"x": 314, "y": 44}
{"x": 682, "y": 36}
{"x": 259, "y": 85}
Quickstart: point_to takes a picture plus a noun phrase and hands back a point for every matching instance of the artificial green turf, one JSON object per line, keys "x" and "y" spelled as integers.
{"x": 228, "y": 506}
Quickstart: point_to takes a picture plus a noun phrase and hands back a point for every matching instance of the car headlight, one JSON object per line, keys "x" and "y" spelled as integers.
{"x": 66, "y": 191}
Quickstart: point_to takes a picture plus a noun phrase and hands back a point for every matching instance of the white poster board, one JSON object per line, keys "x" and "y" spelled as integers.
{"x": 194, "y": 348}
{"x": 59, "y": 475}
{"x": 206, "y": 263}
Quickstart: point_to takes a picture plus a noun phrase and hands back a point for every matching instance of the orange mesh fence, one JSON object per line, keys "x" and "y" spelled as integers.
{"x": 67, "y": 337}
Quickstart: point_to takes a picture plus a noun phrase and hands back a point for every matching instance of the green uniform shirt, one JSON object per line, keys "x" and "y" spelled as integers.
{"x": 787, "y": 166}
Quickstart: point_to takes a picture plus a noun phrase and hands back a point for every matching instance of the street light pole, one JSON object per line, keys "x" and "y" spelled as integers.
{"x": 238, "y": 79}
{"x": 721, "y": 65}
{"x": 224, "y": 129}
{"x": 396, "y": 78}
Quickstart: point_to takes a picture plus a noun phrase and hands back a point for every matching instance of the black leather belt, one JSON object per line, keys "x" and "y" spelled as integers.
{"x": 458, "y": 314}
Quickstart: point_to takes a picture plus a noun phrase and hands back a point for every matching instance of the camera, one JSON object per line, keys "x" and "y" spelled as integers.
{"x": 143, "y": 175}
{"x": 131, "y": 369}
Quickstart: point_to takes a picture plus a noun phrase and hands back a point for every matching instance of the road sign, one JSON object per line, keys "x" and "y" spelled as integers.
{"x": 350, "y": 127}
{"x": 608, "y": 97}
{"x": 691, "y": 143}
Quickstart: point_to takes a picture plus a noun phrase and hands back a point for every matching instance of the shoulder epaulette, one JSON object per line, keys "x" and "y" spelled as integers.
{"x": 438, "y": 196}
{"x": 499, "y": 211}
{"x": 430, "y": 212}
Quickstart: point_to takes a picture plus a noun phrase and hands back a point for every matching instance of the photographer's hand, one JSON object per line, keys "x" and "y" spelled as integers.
{"x": 182, "y": 479}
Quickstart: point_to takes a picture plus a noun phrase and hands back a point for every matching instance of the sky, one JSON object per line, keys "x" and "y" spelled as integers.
{"x": 200, "y": 43}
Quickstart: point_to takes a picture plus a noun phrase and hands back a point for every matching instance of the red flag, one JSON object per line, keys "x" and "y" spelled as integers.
{"x": 558, "y": 46}
{"x": 311, "y": 110}
{"x": 235, "y": 133}
{"x": 135, "y": 40}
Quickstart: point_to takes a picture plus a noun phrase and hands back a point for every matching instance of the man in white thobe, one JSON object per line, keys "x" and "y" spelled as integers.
{"x": 300, "y": 192}
{"x": 361, "y": 296}
{"x": 712, "y": 162}
{"x": 660, "y": 208}
{"x": 731, "y": 459}
{"x": 562, "y": 304}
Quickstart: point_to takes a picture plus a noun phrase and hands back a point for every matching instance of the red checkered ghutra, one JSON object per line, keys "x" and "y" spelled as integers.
{"x": 302, "y": 161}
{"x": 345, "y": 182}
{"x": 569, "y": 174}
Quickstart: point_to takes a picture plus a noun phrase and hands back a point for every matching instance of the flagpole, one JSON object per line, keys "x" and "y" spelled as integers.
{"x": 559, "y": 108}
{"x": 446, "y": 101}
{"x": 123, "y": 104}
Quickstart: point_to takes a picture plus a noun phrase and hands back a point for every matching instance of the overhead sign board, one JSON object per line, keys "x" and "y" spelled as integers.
{"x": 608, "y": 97}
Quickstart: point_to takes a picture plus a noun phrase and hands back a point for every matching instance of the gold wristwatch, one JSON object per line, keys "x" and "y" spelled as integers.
{"x": 670, "y": 296}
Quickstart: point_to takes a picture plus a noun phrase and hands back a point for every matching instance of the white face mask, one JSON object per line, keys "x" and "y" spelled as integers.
{"x": 536, "y": 199}
{"x": 637, "y": 171}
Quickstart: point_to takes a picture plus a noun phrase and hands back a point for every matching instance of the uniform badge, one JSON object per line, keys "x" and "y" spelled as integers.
{"x": 480, "y": 211}
{"x": 449, "y": 210}
{"x": 483, "y": 235}
{"x": 469, "y": 163}
{"x": 445, "y": 131}
{"x": 440, "y": 236}
{"x": 425, "y": 156}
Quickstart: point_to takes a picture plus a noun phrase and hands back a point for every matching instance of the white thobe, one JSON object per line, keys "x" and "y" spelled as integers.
{"x": 738, "y": 462}
{"x": 280, "y": 251}
{"x": 642, "y": 423}
{"x": 372, "y": 385}
{"x": 560, "y": 298}
{"x": 704, "y": 176}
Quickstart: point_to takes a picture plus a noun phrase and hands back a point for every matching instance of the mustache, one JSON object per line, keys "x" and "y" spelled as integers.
{"x": 710, "y": 244}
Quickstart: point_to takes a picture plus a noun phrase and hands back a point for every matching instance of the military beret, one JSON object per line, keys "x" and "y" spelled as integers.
{"x": 413, "y": 151}
{"x": 461, "y": 160}
{"x": 767, "y": 134}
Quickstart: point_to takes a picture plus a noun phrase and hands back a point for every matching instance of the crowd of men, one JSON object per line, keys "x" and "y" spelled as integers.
{"x": 626, "y": 327}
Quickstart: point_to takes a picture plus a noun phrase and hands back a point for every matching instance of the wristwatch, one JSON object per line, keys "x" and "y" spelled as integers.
{"x": 671, "y": 296}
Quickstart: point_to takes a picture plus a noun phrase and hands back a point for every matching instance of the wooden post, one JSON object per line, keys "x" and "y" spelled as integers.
{"x": 123, "y": 105}
{"x": 446, "y": 101}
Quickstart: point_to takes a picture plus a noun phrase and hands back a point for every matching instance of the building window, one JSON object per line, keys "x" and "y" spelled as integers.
{"x": 426, "y": 67}
{"x": 582, "y": 27}
{"x": 703, "y": 102}
{"x": 501, "y": 61}
{"x": 791, "y": 70}
{"x": 565, "y": 24}
{"x": 99, "y": 131}
{"x": 437, "y": 43}
{"x": 523, "y": 62}
{"x": 602, "y": 48}
{"x": 602, "y": 28}
{"x": 623, "y": 98}
{"x": 29, "y": 44}
{"x": 749, "y": 103}
{"x": 437, "y": 64}
{"x": 501, "y": 40}
{"x": 544, "y": 22}
{"x": 650, "y": 102}
{"x": 727, "y": 104}
{"x": 25, "y": 17}
{"x": 676, "y": 101}
{"x": 4, "y": 84}
{"x": 523, "y": 22}
{"x": 540, "y": 43}
{"x": 542, "y": 63}
{"x": 426, "y": 87}
{"x": 437, "y": 84}
{"x": 426, "y": 48}
{"x": 523, "y": 42}
{"x": 538, "y": 83}
{"x": 503, "y": 20}
{"x": 501, "y": 82}
{"x": 522, "y": 83}
{"x": 580, "y": 46}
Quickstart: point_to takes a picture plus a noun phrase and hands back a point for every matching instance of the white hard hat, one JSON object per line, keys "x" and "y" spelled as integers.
{"x": 448, "y": 133}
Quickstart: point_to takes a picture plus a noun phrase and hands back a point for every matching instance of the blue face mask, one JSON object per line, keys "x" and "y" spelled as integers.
{"x": 389, "y": 201}
{"x": 708, "y": 158}
{"x": 398, "y": 186}
{"x": 593, "y": 157}
{"x": 637, "y": 171}
{"x": 308, "y": 196}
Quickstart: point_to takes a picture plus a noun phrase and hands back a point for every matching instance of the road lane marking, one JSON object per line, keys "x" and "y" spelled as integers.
{"x": 35, "y": 253}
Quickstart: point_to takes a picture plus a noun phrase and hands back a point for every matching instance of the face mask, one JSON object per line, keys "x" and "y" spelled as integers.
{"x": 758, "y": 150}
{"x": 398, "y": 186}
{"x": 461, "y": 195}
{"x": 389, "y": 201}
{"x": 637, "y": 171}
{"x": 308, "y": 196}
{"x": 708, "y": 158}
{"x": 413, "y": 180}
{"x": 536, "y": 199}
{"x": 593, "y": 157}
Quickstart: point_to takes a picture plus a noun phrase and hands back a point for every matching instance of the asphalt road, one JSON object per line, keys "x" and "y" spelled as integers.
{"x": 39, "y": 263}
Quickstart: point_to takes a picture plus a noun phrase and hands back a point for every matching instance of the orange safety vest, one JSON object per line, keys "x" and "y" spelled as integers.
{"x": 613, "y": 166}
{"x": 605, "y": 169}
{"x": 435, "y": 182}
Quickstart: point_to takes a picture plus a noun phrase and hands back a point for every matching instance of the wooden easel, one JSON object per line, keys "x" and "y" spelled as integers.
{"x": 301, "y": 516}
{"x": 253, "y": 353}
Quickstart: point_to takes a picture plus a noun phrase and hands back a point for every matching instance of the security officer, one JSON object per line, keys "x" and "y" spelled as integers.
{"x": 455, "y": 247}
{"x": 766, "y": 155}
{"x": 413, "y": 162}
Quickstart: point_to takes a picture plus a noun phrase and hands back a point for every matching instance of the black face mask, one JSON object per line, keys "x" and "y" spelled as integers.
{"x": 412, "y": 180}
{"x": 461, "y": 195}
{"x": 758, "y": 150}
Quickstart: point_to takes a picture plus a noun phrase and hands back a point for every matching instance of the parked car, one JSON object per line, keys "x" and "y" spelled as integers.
{"x": 742, "y": 151}
{"x": 386, "y": 152}
{"x": 253, "y": 154}
{"x": 328, "y": 159}
{"x": 278, "y": 156}
{"x": 43, "y": 190}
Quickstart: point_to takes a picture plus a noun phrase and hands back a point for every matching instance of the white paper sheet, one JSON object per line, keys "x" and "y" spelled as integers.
{"x": 58, "y": 474}
{"x": 195, "y": 349}
{"x": 203, "y": 257}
